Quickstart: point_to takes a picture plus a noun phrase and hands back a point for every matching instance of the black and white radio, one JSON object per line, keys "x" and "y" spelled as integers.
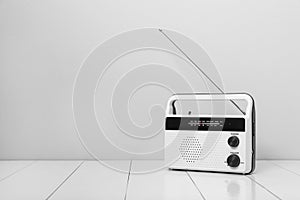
{"x": 219, "y": 137}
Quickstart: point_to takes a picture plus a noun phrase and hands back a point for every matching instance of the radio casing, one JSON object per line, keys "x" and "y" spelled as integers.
{"x": 190, "y": 143}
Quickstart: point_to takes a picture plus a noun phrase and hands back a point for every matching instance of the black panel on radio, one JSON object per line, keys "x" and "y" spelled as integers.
{"x": 205, "y": 124}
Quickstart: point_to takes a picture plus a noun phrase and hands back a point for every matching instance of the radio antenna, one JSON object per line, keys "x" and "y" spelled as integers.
{"x": 212, "y": 81}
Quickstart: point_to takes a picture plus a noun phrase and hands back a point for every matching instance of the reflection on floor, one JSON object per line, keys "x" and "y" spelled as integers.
{"x": 273, "y": 179}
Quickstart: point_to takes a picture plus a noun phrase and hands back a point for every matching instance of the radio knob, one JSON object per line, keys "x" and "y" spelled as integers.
{"x": 233, "y": 141}
{"x": 233, "y": 160}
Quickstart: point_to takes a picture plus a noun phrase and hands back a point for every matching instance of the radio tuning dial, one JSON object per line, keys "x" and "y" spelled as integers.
{"x": 233, "y": 160}
{"x": 233, "y": 141}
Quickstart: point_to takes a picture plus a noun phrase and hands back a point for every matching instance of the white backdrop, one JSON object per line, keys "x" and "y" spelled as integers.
{"x": 255, "y": 46}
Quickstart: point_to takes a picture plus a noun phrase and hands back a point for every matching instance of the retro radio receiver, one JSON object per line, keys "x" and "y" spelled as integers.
{"x": 218, "y": 137}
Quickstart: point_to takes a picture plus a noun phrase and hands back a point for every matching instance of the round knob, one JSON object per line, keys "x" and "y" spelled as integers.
{"x": 233, "y": 160}
{"x": 233, "y": 141}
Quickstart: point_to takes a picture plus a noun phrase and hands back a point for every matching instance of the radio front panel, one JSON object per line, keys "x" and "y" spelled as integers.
{"x": 218, "y": 143}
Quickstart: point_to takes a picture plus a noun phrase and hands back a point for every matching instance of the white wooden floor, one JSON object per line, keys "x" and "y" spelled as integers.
{"x": 63, "y": 180}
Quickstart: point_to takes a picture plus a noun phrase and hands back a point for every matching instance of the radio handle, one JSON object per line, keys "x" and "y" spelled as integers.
{"x": 215, "y": 96}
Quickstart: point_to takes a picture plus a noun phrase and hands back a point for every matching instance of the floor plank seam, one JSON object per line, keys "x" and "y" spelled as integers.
{"x": 69, "y": 176}
{"x": 196, "y": 185}
{"x": 17, "y": 171}
{"x": 265, "y": 188}
{"x": 293, "y": 172}
{"x": 128, "y": 178}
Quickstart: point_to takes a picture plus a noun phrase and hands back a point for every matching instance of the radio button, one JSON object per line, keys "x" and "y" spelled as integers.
{"x": 233, "y": 141}
{"x": 233, "y": 160}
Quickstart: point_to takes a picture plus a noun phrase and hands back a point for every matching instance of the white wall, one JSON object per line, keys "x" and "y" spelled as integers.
{"x": 254, "y": 44}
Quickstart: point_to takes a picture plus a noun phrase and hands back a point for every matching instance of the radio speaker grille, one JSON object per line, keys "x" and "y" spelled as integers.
{"x": 190, "y": 149}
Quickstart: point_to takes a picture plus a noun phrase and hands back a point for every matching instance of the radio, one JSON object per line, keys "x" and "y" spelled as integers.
{"x": 218, "y": 137}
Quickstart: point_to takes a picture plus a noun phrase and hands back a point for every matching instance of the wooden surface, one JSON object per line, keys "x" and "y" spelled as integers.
{"x": 63, "y": 180}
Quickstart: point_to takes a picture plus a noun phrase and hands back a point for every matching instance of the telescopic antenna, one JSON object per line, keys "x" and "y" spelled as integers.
{"x": 219, "y": 88}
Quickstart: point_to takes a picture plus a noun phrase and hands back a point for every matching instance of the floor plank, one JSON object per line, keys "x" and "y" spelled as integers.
{"x": 9, "y": 168}
{"x": 228, "y": 186}
{"x": 277, "y": 180}
{"x": 291, "y": 165}
{"x": 163, "y": 185}
{"x": 37, "y": 181}
{"x": 95, "y": 181}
